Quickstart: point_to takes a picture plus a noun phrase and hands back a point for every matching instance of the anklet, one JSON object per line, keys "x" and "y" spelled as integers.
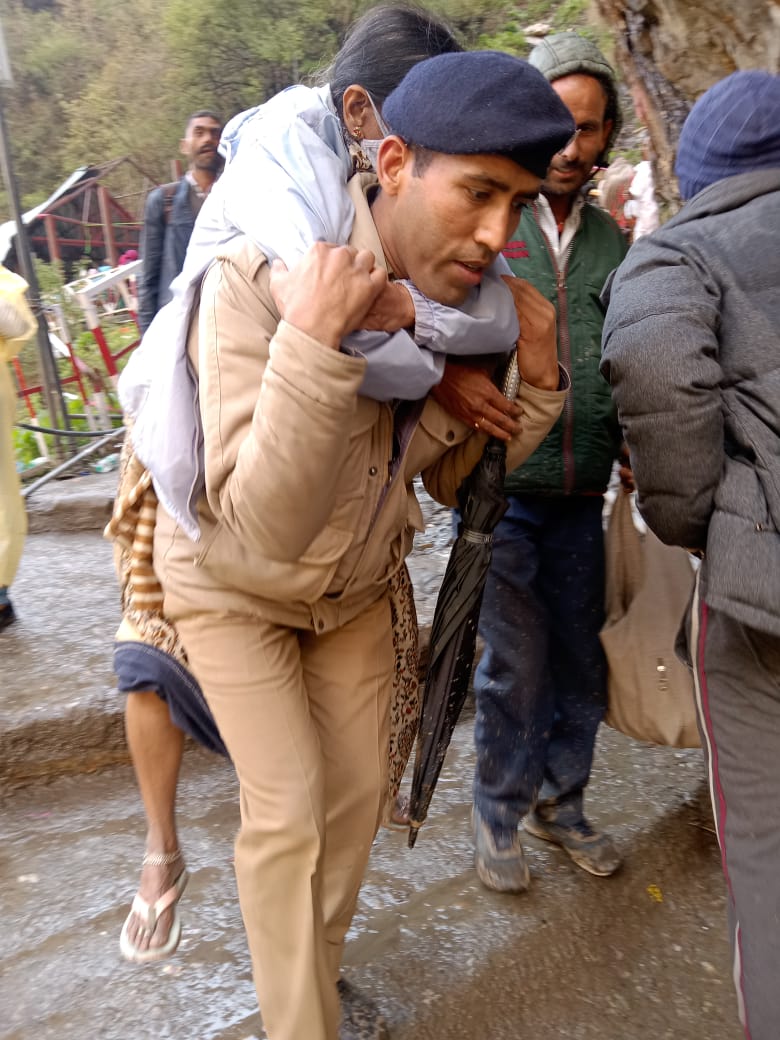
{"x": 161, "y": 859}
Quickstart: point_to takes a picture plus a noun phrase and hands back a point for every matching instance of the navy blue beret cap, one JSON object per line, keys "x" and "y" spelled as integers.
{"x": 480, "y": 102}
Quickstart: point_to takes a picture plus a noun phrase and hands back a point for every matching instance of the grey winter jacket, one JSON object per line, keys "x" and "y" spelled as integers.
{"x": 692, "y": 350}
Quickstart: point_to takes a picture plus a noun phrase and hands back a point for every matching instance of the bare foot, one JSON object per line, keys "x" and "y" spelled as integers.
{"x": 156, "y": 878}
{"x": 400, "y": 814}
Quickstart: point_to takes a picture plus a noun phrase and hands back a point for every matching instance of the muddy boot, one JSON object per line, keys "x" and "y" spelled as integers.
{"x": 360, "y": 1018}
{"x": 499, "y": 856}
{"x": 592, "y": 850}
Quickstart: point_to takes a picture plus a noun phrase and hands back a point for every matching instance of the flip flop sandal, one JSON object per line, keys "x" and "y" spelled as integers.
{"x": 150, "y": 915}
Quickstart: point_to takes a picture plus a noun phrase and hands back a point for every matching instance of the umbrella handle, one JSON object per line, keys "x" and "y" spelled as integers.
{"x": 510, "y": 380}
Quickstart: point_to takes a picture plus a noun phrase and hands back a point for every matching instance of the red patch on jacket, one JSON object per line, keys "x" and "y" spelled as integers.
{"x": 515, "y": 251}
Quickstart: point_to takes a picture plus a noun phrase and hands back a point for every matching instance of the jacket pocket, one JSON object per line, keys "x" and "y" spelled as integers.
{"x": 741, "y": 494}
{"x": 441, "y": 427}
{"x": 354, "y": 476}
{"x": 437, "y": 432}
{"x": 302, "y": 581}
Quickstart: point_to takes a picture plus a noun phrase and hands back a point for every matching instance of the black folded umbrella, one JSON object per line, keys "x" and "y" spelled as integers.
{"x": 454, "y": 630}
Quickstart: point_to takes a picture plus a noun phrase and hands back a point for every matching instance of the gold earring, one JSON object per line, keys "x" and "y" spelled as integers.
{"x": 358, "y": 133}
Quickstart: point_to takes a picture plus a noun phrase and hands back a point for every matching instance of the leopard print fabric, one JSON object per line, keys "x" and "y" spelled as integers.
{"x": 405, "y": 701}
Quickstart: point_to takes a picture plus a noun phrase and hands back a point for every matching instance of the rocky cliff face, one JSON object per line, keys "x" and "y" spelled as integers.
{"x": 671, "y": 51}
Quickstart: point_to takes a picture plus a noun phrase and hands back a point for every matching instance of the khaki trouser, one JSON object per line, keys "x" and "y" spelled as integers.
{"x": 305, "y": 719}
{"x": 13, "y": 518}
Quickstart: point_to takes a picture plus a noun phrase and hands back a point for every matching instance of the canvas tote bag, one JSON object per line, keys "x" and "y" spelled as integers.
{"x": 648, "y": 588}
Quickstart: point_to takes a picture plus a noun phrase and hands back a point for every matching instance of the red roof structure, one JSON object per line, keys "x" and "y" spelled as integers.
{"x": 97, "y": 213}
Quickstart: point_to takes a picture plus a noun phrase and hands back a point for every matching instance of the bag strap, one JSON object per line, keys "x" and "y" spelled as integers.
{"x": 168, "y": 190}
{"x": 624, "y": 558}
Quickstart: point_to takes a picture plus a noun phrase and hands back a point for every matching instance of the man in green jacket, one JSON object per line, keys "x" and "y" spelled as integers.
{"x": 541, "y": 683}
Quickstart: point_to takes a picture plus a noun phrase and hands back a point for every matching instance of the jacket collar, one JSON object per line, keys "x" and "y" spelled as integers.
{"x": 727, "y": 194}
{"x": 364, "y": 233}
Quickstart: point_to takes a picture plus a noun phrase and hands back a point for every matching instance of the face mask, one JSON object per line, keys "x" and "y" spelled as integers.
{"x": 370, "y": 146}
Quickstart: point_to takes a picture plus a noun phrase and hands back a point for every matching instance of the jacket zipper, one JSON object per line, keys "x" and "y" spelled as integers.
{"x": 395, "y": 462}
{"x": 564, "y": 355}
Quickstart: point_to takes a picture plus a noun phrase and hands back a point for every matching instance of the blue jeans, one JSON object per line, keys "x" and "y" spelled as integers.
{"x": 541, "y": 683}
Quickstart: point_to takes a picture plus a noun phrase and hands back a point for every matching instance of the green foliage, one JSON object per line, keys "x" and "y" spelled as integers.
{"x": 50, "y": 278}
{"x": 120, "y": 333}
{"x": 512, "y": 40}
{"x": 48, "y": 58}
{"x": 51, "y": 282}
{"x": 513, "y": 19}
{"x": 234, "y": 54}
{"x": 570, "y": 13}
{"x": 633, "y": 154}
{"x": 26, "y": 447}
{"x": 29, "y": 446}
{"x": 474, "y": 20}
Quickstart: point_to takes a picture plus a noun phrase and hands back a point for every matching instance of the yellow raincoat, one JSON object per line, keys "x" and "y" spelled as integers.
{"x": 17, "y": 325}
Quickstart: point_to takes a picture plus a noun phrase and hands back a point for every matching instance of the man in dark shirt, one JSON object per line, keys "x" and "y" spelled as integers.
{"x": 170, "y": 214}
